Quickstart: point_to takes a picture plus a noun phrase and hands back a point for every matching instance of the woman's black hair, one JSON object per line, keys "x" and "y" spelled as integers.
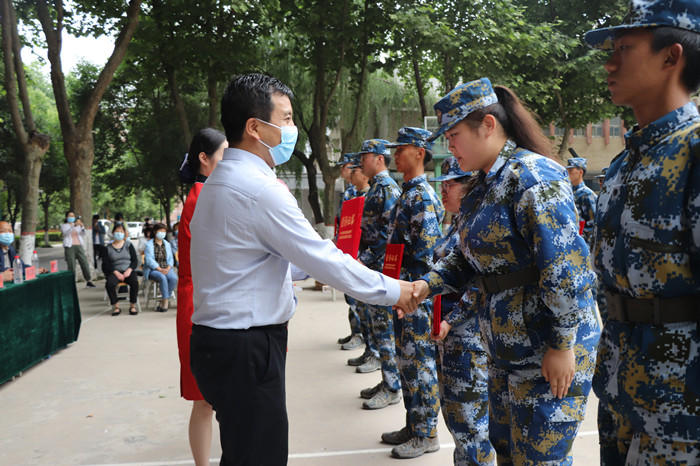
{"x": 119, "y": 217}
{"x": 690, "y": 41}
{"x": 519, "y": 123}
{"x": 114, "y": 228}
{"x": 207, "y": 140}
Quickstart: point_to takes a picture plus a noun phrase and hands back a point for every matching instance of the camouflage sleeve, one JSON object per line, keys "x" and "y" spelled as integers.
{"x": 424, "y": 235}
{"x": 546, "y": 217}
{"x": 373, "y": 255}
{"x": 693, "y": 205}
{"x": 588, "y": 214}
{"x": 463, "y": 311}
{"x": 449, "y": 274}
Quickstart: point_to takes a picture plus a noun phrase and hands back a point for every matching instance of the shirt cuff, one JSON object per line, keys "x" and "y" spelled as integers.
{"x": 435, "y": 282}
{"x": 563, "y": 338}
{"x": 393, "y": 291}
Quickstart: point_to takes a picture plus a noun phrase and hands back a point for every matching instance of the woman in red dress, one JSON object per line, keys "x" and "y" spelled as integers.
{"x": 206, "y": 149}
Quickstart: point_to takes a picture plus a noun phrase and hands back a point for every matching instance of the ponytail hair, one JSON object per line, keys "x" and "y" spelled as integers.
{"x": 207, "y": 140}
{"x": 518, "y": 122}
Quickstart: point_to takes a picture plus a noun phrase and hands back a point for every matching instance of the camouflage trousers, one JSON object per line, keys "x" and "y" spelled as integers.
{"x": 463, "y": 382}
{"x": 527, "y": 424}
{"x": 353, "y": 316}
{"x": 365, "y": 319}
{"x": 648, "y": 383}
{"x": 415, "y": 355}
{"x": 382, "y": 325}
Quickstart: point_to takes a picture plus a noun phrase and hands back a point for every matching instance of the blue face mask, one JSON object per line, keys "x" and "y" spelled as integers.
{"x": 6, "y": 239}
{"x": 282, "y": 152}
{"x": 160, "y": 235}
{"x": 71, "y": 219}
{"x": 119, "y": 235}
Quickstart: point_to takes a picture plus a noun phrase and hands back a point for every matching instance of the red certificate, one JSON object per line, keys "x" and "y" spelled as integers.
{"x": 349, "y": 231}
{"x": 392, "y": 260}
{"x": 1, "y": 281}
{"x": 54, "y": 266}
{"x": 437, "y": 314}
{"x": 30, "y": 273}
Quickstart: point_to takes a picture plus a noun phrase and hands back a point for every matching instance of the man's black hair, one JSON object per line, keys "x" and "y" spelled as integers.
{"x": 428, "y": 157}
{"x": 248, "y": 96}
{"x": 665, "y": 36}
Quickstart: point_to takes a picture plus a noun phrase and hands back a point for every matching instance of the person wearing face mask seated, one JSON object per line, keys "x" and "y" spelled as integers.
{"x": 119, "y": 264}
{"x": 158, "y": 265}
{"x": 8, "y": 253}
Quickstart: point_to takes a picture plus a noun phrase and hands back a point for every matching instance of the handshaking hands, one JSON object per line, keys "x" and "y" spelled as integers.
{"x": 412, "y": 294}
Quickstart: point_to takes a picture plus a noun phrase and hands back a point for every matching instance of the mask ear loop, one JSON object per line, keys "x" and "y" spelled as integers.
{"x": 184, "y": 162}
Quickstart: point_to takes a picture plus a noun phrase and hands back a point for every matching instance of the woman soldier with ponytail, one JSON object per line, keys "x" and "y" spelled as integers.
{"x": 519, "y": 240}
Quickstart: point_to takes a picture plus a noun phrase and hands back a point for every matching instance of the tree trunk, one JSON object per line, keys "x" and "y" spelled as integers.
{"x": 448, "y": 78}
{"x": 179, "y": 106}
{"x": 33, "y": 157}
{"x": 419, "y": 85}
{"x": 213, "y": 94}
{"x": 564, "y": 146}
{"x": 167, "y": 208}
{"x": 45, "y": 203}
{"x": 313, "y": 187}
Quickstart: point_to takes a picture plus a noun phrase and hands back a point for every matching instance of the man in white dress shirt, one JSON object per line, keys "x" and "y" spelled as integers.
{"x": 246, "y": 231}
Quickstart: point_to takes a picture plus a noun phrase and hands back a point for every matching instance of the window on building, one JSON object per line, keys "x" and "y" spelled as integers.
{"x": 597, "y": 130}
{"x": 616, "y": 127}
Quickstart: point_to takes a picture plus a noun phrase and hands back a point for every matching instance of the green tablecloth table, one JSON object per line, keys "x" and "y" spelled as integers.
{"x": 37, "y": 318}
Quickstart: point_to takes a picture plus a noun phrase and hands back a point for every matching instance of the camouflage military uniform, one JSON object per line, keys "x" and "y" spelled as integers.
{"x": 379, "y": 201}
{"x": 463, "y": 372}
{"x": 646, "y": 246}
{"x": 585, "y": 199}
{"x": 415, "y": 223}
{"x": 521, "y": 216}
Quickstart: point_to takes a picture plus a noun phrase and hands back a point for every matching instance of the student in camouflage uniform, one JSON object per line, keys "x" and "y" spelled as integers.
{"x": 584, "y": 197}
{"x": 379, "y": 201}
{"x": 354, "y": 340}
{"x": 461, "y": 360}
{"x": 519, "y": 239}
{"x": 415, "y": 223}
{"x": 647, "y": 241}
{"x": 361, "y": 183}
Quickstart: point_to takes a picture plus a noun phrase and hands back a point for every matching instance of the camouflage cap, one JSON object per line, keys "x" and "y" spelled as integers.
{"x": 412, "y": 136}
{"x": 345, "y": 158}
{"x": 375, "y": 146}
{"x": 460, "y": 102}
{"x": 355, "y": 160}
{"x": 577, "y": 162}
{"x": 450, "y": 170}
{"x": 602, "y": 173}
{"x": 682, "y": 14}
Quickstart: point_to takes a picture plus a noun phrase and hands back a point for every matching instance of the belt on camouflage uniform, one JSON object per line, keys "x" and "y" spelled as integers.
{"x": 505, "y": 281}
{"x": 653, "y": 310}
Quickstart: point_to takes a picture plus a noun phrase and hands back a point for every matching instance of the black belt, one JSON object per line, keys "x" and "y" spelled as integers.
{"x": 653, "y": 310}
{"x": 505, "y": 281}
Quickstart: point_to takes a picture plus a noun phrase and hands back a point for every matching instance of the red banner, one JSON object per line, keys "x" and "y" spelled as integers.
{"x": 349, "y": 231}
{"x": 437, "y": 314}
{"x": 392, "y": 260}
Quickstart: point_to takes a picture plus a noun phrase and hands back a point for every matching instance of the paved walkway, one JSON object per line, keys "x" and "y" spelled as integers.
{"x": 112, "y": 397}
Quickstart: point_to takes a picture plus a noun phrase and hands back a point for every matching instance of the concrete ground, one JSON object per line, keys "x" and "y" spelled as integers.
{"x": 112, "y": 397}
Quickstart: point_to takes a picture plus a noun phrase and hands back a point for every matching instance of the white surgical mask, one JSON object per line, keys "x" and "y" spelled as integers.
{"x": 282, "y": 152}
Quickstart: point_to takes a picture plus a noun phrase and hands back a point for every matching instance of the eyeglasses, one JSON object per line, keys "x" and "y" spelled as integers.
{"x": 447, "y": 184}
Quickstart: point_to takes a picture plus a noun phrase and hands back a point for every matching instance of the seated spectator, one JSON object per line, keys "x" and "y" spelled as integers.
{"x": 158, "y": 265}
{"x": 119, "y": 220}
{"x": 119, "y": 264}
{"x": 8, "y": 253}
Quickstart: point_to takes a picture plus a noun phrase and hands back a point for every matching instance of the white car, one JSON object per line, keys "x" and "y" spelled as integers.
{"x": 135, "y": 229}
